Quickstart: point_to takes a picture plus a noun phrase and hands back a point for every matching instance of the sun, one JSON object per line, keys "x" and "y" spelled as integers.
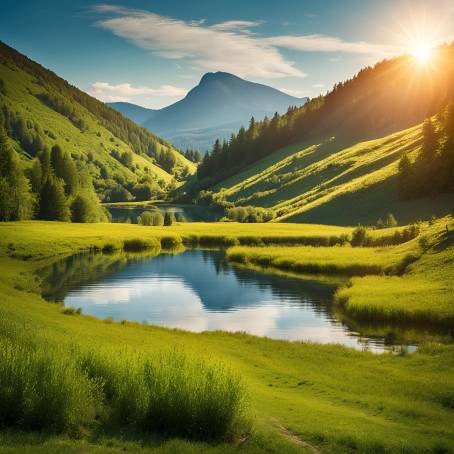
{"x": 422, "y": 52}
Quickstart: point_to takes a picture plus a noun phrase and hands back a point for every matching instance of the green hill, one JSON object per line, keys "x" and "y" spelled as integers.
{"x": 318, "y": 182}
{"x": 391, "y": 96}
{"x": 336, "y": 159}
{"x": 39, "y": 110}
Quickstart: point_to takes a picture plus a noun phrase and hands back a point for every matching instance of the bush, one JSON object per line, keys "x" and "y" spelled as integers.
{"x": 60, "y": 388}
{"x": 169, "y": 394}
{"x": 249, "y": 214}
{"x": 140, "y": 244}
{"x": 360, "y": 237}
{"x": 41, "y": 388}
{"x": 169, "y": 218}
{"x": 71, "y": 311}
{"x": 150, "y": 218}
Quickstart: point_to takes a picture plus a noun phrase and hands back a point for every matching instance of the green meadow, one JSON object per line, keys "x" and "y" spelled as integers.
{"x": 90, "y": 385}
{"x": 333, "y": 178}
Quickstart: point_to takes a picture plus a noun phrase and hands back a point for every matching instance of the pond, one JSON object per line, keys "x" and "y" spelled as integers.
{"x": 191, "y": 213}
{"x": 198, "y": 290}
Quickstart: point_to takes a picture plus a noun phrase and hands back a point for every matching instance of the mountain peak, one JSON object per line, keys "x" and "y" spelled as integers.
{"x": 216, "y": 76}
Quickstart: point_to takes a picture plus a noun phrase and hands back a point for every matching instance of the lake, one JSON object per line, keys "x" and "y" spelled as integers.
{"x": 198, "y": 290}
{"x": 191, "y": 213}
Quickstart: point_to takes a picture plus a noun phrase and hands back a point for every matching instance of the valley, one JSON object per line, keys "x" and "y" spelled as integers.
{"x": 241, "y": 270}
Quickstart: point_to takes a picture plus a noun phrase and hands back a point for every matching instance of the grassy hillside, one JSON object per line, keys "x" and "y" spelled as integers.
{"x": 302, "y": 397}
{"x": 411, "y": 281}
{"x": 370, "y": 105}
{"x": 335, "y": 180}
{"x": 95, "y": 135}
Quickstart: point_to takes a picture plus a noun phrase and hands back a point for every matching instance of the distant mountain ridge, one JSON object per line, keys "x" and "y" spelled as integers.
{"x": 216, "y": 107}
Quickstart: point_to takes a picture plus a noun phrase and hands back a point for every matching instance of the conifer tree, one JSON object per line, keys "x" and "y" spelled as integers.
{"x": 53, "y": 203}
{"x": 16, "y": 200}
{"x": 169, "y": 218}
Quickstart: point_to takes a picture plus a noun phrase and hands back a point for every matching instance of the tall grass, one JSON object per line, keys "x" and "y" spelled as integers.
{"x": 306, "y": 259}
{"x": 66, "y": 388}
{"x": 41, "y": 389}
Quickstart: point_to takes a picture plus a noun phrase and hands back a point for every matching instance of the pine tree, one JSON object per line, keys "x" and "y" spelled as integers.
{"x": 84, "y": 209}
{"x": 16, "y": 200}
{"x": 430, "y": 141}
{"x": 390, "y": 220}
{"x": 169, "y": 218}
{"x": 405, "y": 177}
{"x": 53, "y": 203}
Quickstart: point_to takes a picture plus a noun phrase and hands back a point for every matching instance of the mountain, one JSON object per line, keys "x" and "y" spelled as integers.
{"x": 136, "y": 113}
{"x": 39, "y": 109}
{"x": 336, "y": 159}
{"x": 215, "y": 108}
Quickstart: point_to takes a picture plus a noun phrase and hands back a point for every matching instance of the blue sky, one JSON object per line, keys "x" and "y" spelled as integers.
{"x": 152, "y": 52}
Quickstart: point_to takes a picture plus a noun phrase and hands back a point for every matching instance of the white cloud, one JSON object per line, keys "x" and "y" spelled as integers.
{"x": 230, "y": 46}
{"x": 126, "y": 92}
{"x": 318, "y": 85}
{"x": 323, "y": 43}
{"x": 220, "y": 47}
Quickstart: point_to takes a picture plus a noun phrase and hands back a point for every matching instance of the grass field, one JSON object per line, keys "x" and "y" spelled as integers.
{"x": 301, "y": 397}
{"x": 335, "y": 179}
{"x": 417, "y": 285}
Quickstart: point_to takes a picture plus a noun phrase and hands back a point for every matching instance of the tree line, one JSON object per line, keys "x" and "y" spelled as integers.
{"x": 370, "y": 103}
{"x": 432, "y": 171}
{"x": 193, "y": 155}
{"x": 52, "y": 188}
{"x": 59, "y": 94}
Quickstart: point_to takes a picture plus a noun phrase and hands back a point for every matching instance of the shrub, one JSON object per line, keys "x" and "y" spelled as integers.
{"x": 171, "y": 241}
{"x": 179, "y": 217}
{"x": 249, "y": 214}
{"x": 140, "y": 244}
{"x": 169, "y": 218}
{"x": 360, "y": 237}
{"x": 41, "y": 388}
{"x": 390, "y": 220}
{"x": 71, "y": 311}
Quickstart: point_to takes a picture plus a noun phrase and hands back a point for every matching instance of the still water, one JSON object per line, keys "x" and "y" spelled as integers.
{"x": 191, "y": 213}
{"x": 198, "y": 290}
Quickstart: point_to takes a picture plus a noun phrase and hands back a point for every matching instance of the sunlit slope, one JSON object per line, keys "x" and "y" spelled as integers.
{"x": 21, "y": 91}
{"x": 25, "y": 86}
{"x": 334, "y": 181}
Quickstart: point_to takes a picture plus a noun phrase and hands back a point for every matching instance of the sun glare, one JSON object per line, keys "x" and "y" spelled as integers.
{"x": 422, "y": 52}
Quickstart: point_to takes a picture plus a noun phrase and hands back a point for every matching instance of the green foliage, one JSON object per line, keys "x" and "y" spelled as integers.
{"x": 249, "y": 214}
{"x": 390, "y": 220}
{"x": 140, "y": 244}
{"x": 169, "y": 218}
{"x": 64, "y": 168}
{"x": 85, "y": 208}
{"x": 46, "y": 386}
{"x": 193, "y": 155}
{"x": 432, "y": 172}
{"x": 35, "y": 114}
{"x": 16, "y": 200}
{"x": 359, "y": 237}
{"x": 53, "y": 202}
{"x": 369, "y": 103}
{"x": 151, "y": 218}
{"x": 179, "y": 217}
{"x": 64, "y": 107}
{"x": 41, "y": 388}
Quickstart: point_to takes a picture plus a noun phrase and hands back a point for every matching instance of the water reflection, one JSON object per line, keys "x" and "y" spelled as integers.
{"x": 199, "y": 290}
{"x": 191, "y": 213}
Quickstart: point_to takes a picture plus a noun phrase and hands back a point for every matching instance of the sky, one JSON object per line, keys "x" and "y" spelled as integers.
{"x": 152, "y": 52}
